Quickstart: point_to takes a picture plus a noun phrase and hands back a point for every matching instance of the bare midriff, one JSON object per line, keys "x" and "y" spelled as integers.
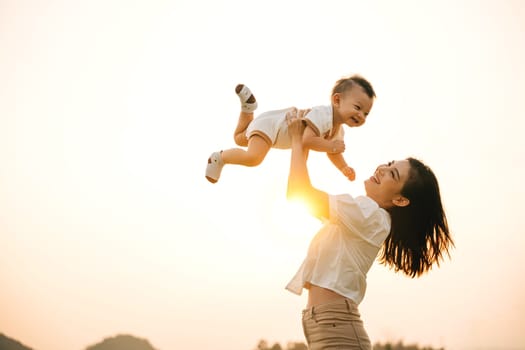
{"x": 319, "y": 295}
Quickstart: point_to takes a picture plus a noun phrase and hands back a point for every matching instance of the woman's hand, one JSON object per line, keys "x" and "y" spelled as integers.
{"x": 295, "y": 121}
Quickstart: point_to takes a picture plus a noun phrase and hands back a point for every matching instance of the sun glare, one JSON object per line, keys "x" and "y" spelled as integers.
{"x": 292, "y": 217}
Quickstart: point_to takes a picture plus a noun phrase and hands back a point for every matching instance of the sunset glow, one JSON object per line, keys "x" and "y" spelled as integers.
{"x": 110, "y": 109}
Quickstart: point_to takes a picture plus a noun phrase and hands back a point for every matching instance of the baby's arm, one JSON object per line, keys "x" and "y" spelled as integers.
{"x": 339, "y": 161}
{"x": 333, "y": 148}
{"x": 318, "y": 143}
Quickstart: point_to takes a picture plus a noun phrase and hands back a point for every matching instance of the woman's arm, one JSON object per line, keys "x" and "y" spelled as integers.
{"x": 299, "y": 185}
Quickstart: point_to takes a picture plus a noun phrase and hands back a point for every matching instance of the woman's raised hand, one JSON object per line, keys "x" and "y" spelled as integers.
{"x": 296, "y": 122}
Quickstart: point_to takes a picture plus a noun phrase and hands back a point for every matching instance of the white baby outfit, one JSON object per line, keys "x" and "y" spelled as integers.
{"x": 273, "y": 128}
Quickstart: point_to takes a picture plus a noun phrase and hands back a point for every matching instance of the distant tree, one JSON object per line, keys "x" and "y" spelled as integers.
{"x": 276, "y": 346}
{"x": 296, "y": 346}
{"x": 400, "y": 346}
{"x": 122, "y": 342}
{"x": 263, "y": 345}
{"x": 7, "y": 343}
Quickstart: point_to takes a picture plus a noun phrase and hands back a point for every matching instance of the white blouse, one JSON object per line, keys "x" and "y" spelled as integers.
{"x": 344, "y": 249}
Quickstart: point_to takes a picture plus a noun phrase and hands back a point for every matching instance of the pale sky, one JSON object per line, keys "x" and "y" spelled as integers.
{"x": 109, "y": 110}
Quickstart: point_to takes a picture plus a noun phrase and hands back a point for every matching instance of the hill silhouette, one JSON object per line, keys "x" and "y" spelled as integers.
{"x": 7, "y": 343}
{"x": 122, "y": 342}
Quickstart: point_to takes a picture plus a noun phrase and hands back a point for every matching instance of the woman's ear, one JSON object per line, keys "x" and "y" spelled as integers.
{"x": 401, "y": 201}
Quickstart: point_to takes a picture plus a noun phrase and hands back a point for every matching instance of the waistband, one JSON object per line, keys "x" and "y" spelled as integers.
{"x": 345, "y": 303}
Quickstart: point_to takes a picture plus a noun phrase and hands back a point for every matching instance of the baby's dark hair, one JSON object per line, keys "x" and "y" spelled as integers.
{"x": 347, "y": 83}
{"x": 419, "y": 236}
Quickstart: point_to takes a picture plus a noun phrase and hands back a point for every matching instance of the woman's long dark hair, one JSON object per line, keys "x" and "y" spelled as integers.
{"x": 419, "y": 236}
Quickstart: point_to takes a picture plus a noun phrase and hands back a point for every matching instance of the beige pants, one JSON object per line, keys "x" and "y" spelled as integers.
{"x": 334, "y": 326}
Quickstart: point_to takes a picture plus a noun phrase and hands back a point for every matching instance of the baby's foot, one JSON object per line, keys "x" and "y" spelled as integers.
{"x": 214, "y": 167}
{"x": 248, "y": 101}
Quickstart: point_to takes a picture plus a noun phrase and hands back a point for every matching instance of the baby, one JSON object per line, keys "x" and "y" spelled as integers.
{"x": 351, "y": 101}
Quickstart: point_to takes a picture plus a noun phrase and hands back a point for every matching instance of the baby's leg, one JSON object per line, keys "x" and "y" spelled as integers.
{"x": 248, "y": 106}
{"x": 257, "y": 149}
{"x": 240, "y": 131}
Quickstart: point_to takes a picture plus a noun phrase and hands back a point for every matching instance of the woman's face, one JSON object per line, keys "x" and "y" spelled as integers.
{"x": 385, "y": 185}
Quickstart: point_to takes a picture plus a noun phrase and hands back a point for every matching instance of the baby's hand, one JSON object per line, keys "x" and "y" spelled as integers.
{"x": 338, "y": 146}
{"x": 349, "y": 173}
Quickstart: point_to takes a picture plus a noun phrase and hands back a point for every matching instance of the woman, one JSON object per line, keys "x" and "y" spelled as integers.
{"x": 401, "y": 219}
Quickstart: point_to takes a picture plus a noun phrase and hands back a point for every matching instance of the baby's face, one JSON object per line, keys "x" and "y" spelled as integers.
{"x": 352, "y": 107}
